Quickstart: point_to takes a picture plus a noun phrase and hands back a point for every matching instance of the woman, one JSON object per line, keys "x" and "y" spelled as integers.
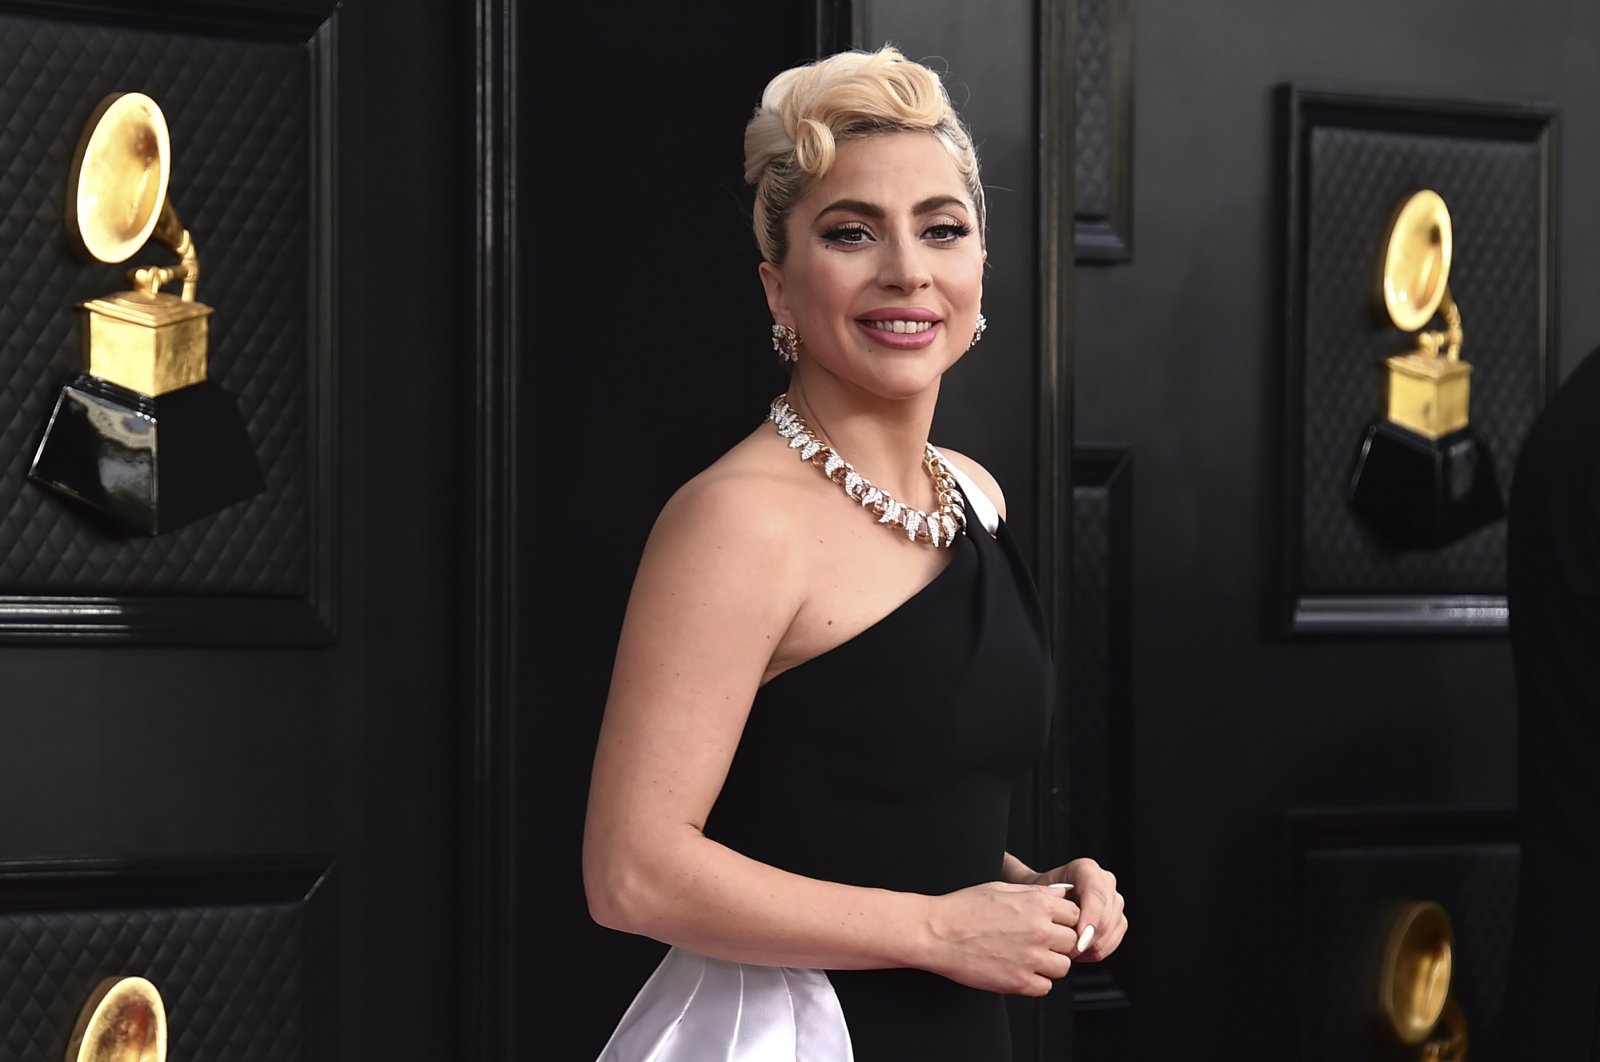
{"x": 833, "y": 667}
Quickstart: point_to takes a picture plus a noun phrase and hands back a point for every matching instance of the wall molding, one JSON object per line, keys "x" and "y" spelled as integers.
{"x": 1103, "y": 131}
{"x": 1056, "y": 185}
{"x": 284, "y": 20}
{"x": 491, "y": 651}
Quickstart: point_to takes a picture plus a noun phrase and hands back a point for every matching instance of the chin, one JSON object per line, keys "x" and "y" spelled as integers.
{"x": 911, "y": 381}
{"x": 893, "y": 375}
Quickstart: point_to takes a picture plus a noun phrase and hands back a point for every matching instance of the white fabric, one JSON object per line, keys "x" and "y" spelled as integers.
{"x": 695, "y": 1009}
{"x": 977, "y": 501}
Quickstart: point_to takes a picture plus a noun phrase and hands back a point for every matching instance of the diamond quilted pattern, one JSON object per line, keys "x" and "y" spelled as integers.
{"x": 1092, "y": 134}
{"x": 232, "y": 977}
{"x": 1357, "y": 176}
{"x": 1093, "y": 786}
{"x": 239, "y": 114}
{"x": 1345, "y": 896}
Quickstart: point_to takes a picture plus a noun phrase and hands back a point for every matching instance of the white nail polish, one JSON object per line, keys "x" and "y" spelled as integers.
{"x": 1085, "y": 939}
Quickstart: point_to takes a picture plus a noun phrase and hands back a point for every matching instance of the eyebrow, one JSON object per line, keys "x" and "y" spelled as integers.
{"x": 872, "y": 210}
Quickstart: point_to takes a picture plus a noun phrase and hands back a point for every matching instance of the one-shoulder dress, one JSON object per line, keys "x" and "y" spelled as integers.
{"x": 890, "y": 762}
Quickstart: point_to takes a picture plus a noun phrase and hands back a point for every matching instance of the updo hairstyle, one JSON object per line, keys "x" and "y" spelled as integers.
{"x": 806, "y": 111}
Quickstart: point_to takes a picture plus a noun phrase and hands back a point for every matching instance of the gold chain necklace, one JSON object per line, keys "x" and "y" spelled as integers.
{"x": 938, "y": 529}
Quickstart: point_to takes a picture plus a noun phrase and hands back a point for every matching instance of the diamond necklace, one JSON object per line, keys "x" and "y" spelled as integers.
{"x": 938, "y": 529}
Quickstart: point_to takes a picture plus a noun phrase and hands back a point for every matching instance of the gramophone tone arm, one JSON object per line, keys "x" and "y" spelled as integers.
{"x": 1445, "y": 344}
{"x": 170, "y": 231}
{"x": 1454, "y": 334}
{"x": 153, "y": 278}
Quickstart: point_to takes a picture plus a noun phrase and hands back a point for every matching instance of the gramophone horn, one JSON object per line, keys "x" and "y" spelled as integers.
{"x": 1416, "y": 263}
{"x": 1414, "y": 983}
{"x": 124, "y": 1020}
{"x": 119, "y": 177}
{"x": 117, "y": 193}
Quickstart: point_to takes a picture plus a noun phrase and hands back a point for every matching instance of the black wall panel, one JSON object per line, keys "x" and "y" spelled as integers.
{"x": 349, "y": 745}
{"x": 1180, "y": 355}
{"x": 1351, "y": 161}
{"x": 1100, "y": 718}
{"x": 240, "y": 955}
{"x": 237, "y": 111}
{"x": 249, "y": 152}
{"x": 1353, "y": 874}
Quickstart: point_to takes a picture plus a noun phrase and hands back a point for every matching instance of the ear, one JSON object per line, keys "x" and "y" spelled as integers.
{"x": 772, "y": 281}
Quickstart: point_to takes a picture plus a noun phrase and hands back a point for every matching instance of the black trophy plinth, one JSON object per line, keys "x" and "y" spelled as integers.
{"x": 148, "y": 464}
{"x": 1421, "y": 493}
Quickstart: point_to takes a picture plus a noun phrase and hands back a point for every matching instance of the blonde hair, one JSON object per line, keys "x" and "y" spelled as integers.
{"x": 805, "y": 112}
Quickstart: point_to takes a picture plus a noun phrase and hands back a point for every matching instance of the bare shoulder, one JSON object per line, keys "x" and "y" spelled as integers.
{"x": 732, "y": 500}
{"x": 979, "y": 475}
{"x": 726, "y": 529}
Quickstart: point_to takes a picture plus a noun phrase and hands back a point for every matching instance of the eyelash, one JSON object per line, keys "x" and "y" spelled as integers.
{"x": 839, "y": 234}
{"x": 955, "y": 230}
{"x": 948, "y": 232}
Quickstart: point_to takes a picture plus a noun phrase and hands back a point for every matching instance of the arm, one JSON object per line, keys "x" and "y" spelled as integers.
{"x": 716, "y": 591}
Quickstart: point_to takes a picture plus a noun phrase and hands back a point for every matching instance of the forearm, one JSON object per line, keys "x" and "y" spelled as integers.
{"x": 703, "y": 896}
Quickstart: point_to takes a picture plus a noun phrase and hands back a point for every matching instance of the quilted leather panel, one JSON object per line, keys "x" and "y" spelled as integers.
{"x": 1346, "y": 894}
{"x": 1093, "y": 783}
{"x": 1092, "y": 134}
{"x": 240, "y": 116}
{"x": 1493, "y": 185}
{"x": 232, "y": 977}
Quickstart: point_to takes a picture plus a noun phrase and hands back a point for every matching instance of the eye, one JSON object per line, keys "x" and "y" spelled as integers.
{"x": 947, "y": 232}
{"x": 850, "y": 234}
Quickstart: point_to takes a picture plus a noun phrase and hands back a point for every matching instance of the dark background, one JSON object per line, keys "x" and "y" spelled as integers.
{"x": 492, "y": 500}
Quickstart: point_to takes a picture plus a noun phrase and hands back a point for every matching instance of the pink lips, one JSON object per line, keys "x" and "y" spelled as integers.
{"x": 901, "y": 340}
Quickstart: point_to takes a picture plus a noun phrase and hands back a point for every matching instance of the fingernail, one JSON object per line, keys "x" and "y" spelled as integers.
{"x": 1085, "y": 938}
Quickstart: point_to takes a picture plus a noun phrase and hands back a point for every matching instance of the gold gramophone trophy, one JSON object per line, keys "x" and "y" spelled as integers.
{"x": 124, "y": 1020}
{"x": 141, "y": 437}
{"x": 1419, "y": 1014}
{"x": 1422, "y": 478}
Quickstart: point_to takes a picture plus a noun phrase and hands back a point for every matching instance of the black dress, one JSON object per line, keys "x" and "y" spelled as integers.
{"x": 890, "y": 762}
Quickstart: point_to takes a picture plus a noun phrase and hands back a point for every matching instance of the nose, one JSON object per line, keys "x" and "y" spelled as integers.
{"x": 904, "y": 266}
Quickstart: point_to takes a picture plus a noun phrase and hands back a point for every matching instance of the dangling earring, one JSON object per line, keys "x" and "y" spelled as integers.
{"x": 978, "y": 332}
{"x": 786, "y": 341}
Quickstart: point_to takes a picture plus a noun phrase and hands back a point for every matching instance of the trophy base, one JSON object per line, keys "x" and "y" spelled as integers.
{"x": 147, "y": 465}
{"x": 1421, "y": 493}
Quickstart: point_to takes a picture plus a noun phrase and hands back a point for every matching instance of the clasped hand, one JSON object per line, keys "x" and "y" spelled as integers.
{"x": 1020, "y": 938}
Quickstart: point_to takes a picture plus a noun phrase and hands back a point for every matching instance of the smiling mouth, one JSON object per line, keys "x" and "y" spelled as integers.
{"x": 902, "y": 327}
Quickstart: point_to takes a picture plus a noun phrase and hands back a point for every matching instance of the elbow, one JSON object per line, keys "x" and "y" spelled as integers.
{"x": 615, "y": 889}
{"x": 608, "y": 904}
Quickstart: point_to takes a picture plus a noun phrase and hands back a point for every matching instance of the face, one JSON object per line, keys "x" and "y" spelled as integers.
{"x": 884, "y": 272}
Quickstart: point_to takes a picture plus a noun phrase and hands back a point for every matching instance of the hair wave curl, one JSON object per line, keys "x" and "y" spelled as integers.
{"x": 806, "y": 111}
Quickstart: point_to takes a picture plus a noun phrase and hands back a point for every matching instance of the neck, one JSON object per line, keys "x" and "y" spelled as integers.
{"x": 883, "y": 438}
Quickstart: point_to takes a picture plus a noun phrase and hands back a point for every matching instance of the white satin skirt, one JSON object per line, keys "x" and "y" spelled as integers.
{"x": 695, "y": 1009}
